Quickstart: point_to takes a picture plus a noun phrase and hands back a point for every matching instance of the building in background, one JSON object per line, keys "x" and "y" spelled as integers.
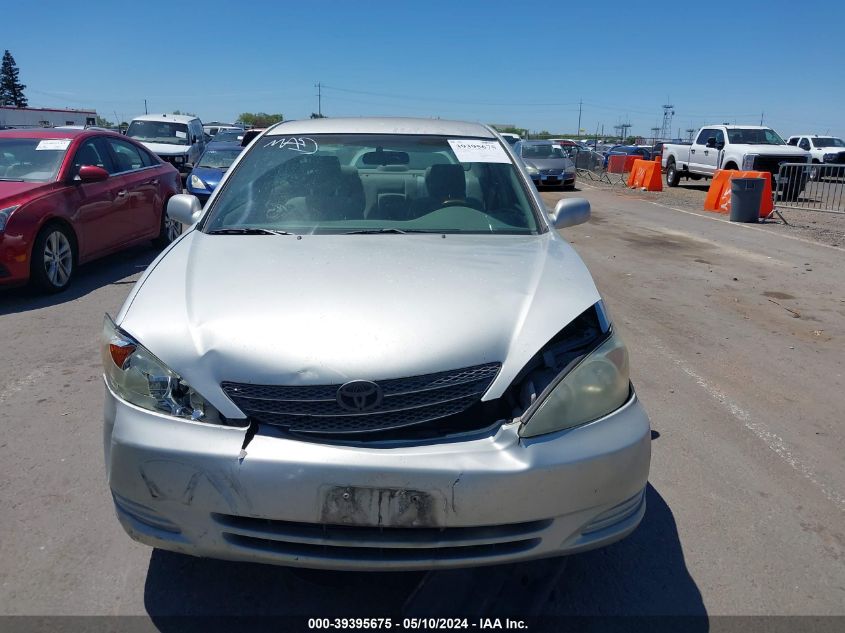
{"x": 45, "y": 117}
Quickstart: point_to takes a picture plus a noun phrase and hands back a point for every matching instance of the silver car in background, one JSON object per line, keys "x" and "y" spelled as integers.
{"x": 548, "y": 164}
{"x": 372, "y": 350}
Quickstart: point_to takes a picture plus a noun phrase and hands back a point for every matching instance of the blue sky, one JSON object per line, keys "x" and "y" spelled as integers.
{"x": 487, "y": 61}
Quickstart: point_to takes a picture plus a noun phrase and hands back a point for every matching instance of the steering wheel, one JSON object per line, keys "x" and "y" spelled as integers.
{"x": 461, "y": 202}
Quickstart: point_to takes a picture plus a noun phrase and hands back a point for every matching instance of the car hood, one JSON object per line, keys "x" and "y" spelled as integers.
{"x": 326, "y": 309}
{"x": 774, "y": 150}
{"x": 13, "y": 192}
{"x": 208, "y": 175}
{"x": 551, "y": 163}
{"x": 167, "y": 149}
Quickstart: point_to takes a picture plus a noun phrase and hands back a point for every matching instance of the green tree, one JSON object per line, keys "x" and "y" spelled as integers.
{"x": 259, "y": 119}
{"x": 103, "y": 122}
{"x": 11, "y": 89}
{"x": 185, "y": 113}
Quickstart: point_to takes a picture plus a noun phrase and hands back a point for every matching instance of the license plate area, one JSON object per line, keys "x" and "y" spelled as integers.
{"x": 381, "y": 507}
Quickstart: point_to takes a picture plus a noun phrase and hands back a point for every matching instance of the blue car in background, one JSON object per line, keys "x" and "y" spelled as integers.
{"x": 627, "y": 150}
{"x": 209, "y": 170}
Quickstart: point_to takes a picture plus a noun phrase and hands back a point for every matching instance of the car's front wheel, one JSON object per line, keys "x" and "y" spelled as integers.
{"x": 53, "y": 259}
{"x": 169, "y": 231}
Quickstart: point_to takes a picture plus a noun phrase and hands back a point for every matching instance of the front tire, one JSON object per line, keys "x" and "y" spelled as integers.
{"x": 53, "y": 259}
{"x": 673, "y": 176}
{"x": 169, "y": 231}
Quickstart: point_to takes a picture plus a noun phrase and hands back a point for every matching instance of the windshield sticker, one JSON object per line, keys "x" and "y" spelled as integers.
{"x": 56, "y": 144}
{"x": 304, "y": 145}
{"x": 181, "y": 134}
{"x": 475, "y": 151}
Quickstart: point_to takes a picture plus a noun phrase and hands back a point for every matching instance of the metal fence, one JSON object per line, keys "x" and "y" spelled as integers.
{"x": 810, "y": 187}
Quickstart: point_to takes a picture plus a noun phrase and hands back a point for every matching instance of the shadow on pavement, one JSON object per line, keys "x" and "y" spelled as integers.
{"x": 643, "y": 575}
{"x": 113, "y": 269}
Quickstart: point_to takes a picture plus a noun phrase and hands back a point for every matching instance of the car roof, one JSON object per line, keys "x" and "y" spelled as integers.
{"x": 814, "y": 135}
{"x": 176, "y": 118}
{"x": 52, "y": 133}
{"x": 381, "y": 125}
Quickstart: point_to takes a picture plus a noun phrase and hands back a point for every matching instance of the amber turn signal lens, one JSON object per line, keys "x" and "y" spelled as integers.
{"x": 119, "y": 353}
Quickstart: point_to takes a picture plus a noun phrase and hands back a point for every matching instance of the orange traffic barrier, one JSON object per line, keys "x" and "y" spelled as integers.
{"x": 646, "y": 174}
{"x": 616, "y": 164}
{"x": 629, "y": 163}
{"x": 719, "y": 195}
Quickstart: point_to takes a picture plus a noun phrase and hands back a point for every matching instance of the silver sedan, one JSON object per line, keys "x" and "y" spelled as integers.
{"x": 372, "y": 350}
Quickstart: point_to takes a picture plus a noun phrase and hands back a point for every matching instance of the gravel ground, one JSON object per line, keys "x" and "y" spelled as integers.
{"x": 826, "y": 228}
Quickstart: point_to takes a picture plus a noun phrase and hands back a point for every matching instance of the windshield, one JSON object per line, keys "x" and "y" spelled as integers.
{"x": 543, "y": 150}
{"x": 754, "y": 136}
{"x": 159, "y": 132}
{"x": 364, "y": 183}
{"x": 828, "y": 141}
{"x": 31, "y": 159}
{"x": 219, "y": 158}
{"x": 234, "y": 136}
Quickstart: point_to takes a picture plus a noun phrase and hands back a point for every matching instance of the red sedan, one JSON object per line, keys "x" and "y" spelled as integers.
{"x": 70, "y": 196}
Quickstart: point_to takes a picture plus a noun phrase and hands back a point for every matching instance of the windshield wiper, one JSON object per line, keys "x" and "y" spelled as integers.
{"x": 248, "y": 231}
{"x": 12, "y": 179}
{"x": 373, "y": 231}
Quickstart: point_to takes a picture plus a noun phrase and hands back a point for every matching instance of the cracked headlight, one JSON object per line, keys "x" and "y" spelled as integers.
{"x": 138, "y": 377}
{"x": 589, "y": 387}
{"x": 197, "y": 183}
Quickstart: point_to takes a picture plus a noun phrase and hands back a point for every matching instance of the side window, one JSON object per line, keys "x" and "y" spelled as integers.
{"x": 126, "y": 156}
{"x": 149, "y": 159}
{"x": 720, "y": 137}
{"x": 91, "y": 152}
{"x": 704, "y": 135}
{"x": 792, "y": 141}
{"x": 804, "y": 144}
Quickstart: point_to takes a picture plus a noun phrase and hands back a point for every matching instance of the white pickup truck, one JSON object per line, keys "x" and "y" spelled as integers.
{"x": 746, "y": 147}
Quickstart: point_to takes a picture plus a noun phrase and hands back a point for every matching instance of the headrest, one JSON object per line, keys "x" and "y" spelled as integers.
{"x": 446, "y": 182}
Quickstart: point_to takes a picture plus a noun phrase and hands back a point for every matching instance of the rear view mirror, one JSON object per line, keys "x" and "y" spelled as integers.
{"x": 380, "y": 157}
{"x": 184, "y": 208}
{"x": 92, "y": 173}
{"x": 569, "y": 212}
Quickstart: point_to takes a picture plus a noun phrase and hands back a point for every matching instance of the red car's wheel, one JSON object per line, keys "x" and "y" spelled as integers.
{"x": 53, "y": 259}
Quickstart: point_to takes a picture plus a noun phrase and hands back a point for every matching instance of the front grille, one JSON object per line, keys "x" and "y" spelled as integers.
{"x": 839, "y": 159}
{"x": 551, "y": 172}
{"x": 772, "y": 163}
{"x": 406, "y": 402}
{"x": 315, "y": 540}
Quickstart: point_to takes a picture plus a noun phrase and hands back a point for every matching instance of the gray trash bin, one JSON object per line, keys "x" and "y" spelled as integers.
{"x": 746, "y": 198}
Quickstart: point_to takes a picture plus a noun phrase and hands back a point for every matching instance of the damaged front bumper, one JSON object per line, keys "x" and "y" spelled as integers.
{"x": 189, "y": 487}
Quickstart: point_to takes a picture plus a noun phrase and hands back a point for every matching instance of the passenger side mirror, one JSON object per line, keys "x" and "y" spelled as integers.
{"x": 92, "y": 173}
{"x": 570, "y": 212}
{"x": 193, "y": 139}
{"x": 184, "y": 208}
{"x": 711, "y": 142}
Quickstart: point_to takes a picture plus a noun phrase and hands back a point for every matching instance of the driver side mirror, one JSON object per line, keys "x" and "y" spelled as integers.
{"x": 711, "y": 142}
{"x": 92, "y": 173}
{"x": 570, "y": 212}
{"x": 184, "y": 208}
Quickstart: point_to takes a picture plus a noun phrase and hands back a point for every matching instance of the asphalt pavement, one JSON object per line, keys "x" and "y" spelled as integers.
{"x": 736, "y": 336}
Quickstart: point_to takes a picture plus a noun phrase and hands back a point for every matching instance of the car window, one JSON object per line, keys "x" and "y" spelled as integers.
{"x": 301, "y": 185}
{"x": 149, "y": 159}
{"x": 214, "y": 158}
{"x": 828, "y": 141}
{"x": 804, "y": 144}
{"x": 126, "y": 156}
{"x": 31, "y": 159}
{"x": 91, "y": 152}
{"x": 707, "y": 133}
{"x": 165, "y": 132}
{"x": 792, "y": 141}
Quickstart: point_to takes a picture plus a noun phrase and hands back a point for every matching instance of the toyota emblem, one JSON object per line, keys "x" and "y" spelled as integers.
{"x": 359, "y": 396}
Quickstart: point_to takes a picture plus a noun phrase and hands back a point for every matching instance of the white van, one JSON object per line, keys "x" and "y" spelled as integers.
{"x": 176, "y": 138}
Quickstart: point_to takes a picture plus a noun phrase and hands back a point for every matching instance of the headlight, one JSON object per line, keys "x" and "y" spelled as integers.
{"x": 140, "y": 378}
{"x": 531, "y": 169}
{"x": 178, "y": 159}
{"x": 827, "y": 157}
{"x": 748, "y": 162}
{"x": 197, "y": 183}
{"x": 4, "y": 216}
{"x": 588, "y": 388}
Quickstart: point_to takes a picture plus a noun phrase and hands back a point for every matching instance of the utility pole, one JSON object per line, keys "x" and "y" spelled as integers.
{"x": 690, "y": 131}
{"x": 654, "y": 132}
{"x": 319, "y": 98}
{"x": 580, "y": 102}
{"x": 761, "y": 118}
{"x": 668, "y": 113}
{"x": 145, "y": 107}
